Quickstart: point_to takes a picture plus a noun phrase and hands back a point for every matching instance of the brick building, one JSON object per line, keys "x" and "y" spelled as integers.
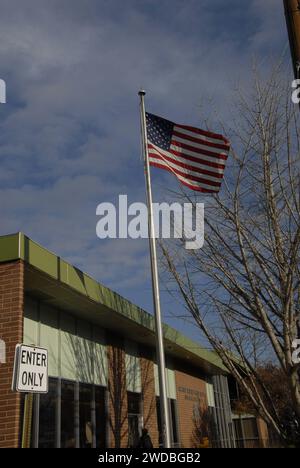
{"x": 103, "y": 385}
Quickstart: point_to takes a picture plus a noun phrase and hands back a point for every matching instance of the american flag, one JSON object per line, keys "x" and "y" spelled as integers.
{"x": 196, "y": 157}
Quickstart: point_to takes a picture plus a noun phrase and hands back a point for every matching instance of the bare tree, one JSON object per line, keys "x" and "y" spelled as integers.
{"x": 243, "y": 287}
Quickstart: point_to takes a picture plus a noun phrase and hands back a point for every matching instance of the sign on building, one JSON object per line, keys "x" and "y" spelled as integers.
{"x": 30, "y": 369}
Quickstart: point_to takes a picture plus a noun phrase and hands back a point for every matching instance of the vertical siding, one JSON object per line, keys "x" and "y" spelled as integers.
{"x": 76, "y": 349}
{"x": 100, "y": 360}
{"x": 68, "y": 347}
{"x": 133, "y": 368}
{"x": 171, "y": 384}
{"x": 31, "y": 319}
{"x": 210, "y": 394}
{"x": 49, "y": 337}
{"x": 84, "y": 353}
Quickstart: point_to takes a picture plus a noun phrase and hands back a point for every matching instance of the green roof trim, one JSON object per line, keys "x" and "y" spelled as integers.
{"x": 18, "y": 246}
{"x": 9, "y": 248}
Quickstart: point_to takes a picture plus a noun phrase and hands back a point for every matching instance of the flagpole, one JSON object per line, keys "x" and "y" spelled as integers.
{"x": 164, "y": 409}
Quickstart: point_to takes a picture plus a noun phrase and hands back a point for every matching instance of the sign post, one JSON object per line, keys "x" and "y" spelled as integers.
{"x": 27, "y": 420}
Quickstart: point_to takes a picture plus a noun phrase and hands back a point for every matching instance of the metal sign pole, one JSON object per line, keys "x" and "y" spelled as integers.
{"x": 27, "y": 420}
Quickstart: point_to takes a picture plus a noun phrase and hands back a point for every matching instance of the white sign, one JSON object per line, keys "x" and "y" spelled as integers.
{"x": 30, "y": 369}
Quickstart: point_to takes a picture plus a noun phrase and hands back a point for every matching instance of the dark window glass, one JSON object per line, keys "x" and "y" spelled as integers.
{"x": 133, "y": 401}
{"x": 47, "y": 417}
{"x": 87, "y": 413}
{"x": 173, "y": 417}
{"x": 133, "y": 430}
{"x": 173, "y": 421}
{"x": 100, "y": 417}
{"x": 67, "y": 415}
{"x": 250, "y": 428}
{"x": 85, "y": 416}
{"x": 246, "y": 433}
{"x": 238, "y": 429}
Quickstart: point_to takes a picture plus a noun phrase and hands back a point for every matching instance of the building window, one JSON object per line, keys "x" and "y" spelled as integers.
{"x": 47, "y": 416}
{"x": 173, "y": 421}
{"x": 72, "y": 415}
{"x": 222, "y": 413}
{"x": 134, "y": 418}
{"x": 100, "y": 417}
{"x": 68, "y": 425}
{"x": 246, "y": 432}
{"x": 86, "y": 427}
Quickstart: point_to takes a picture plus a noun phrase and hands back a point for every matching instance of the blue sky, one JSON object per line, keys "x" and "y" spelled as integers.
{"x": 69, "y": 133}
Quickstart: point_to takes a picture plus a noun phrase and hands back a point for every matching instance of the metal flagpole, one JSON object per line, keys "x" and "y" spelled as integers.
{"x": 164, "y": 409}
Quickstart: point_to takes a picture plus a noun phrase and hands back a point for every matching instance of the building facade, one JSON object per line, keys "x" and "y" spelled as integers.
{"x": 103, "y": 379}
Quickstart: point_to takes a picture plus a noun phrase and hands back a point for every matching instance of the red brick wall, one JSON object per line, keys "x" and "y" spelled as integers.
{"x": 191, "y": 394}
{"x": 11, "y": 331}
{"x": 117, "y": 395}
{"x": 149, "y": 398}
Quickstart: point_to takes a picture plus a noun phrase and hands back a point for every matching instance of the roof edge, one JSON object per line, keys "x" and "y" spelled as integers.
{"x": 20, "y": 247}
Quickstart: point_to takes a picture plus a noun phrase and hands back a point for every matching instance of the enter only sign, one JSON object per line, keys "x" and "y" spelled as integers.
{"x": 30, "y": 369}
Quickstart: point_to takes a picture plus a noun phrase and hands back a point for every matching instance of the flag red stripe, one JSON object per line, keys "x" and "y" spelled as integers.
{"x": 195, "y": 159}
{"x": 191, "y": 186}
{"x": 190, "y": 176}
{"x": 217, "y": 136}
{"x": 199, "y": 151}
{"x": 187, "y": 166}
{"x": 200, "y": 141}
